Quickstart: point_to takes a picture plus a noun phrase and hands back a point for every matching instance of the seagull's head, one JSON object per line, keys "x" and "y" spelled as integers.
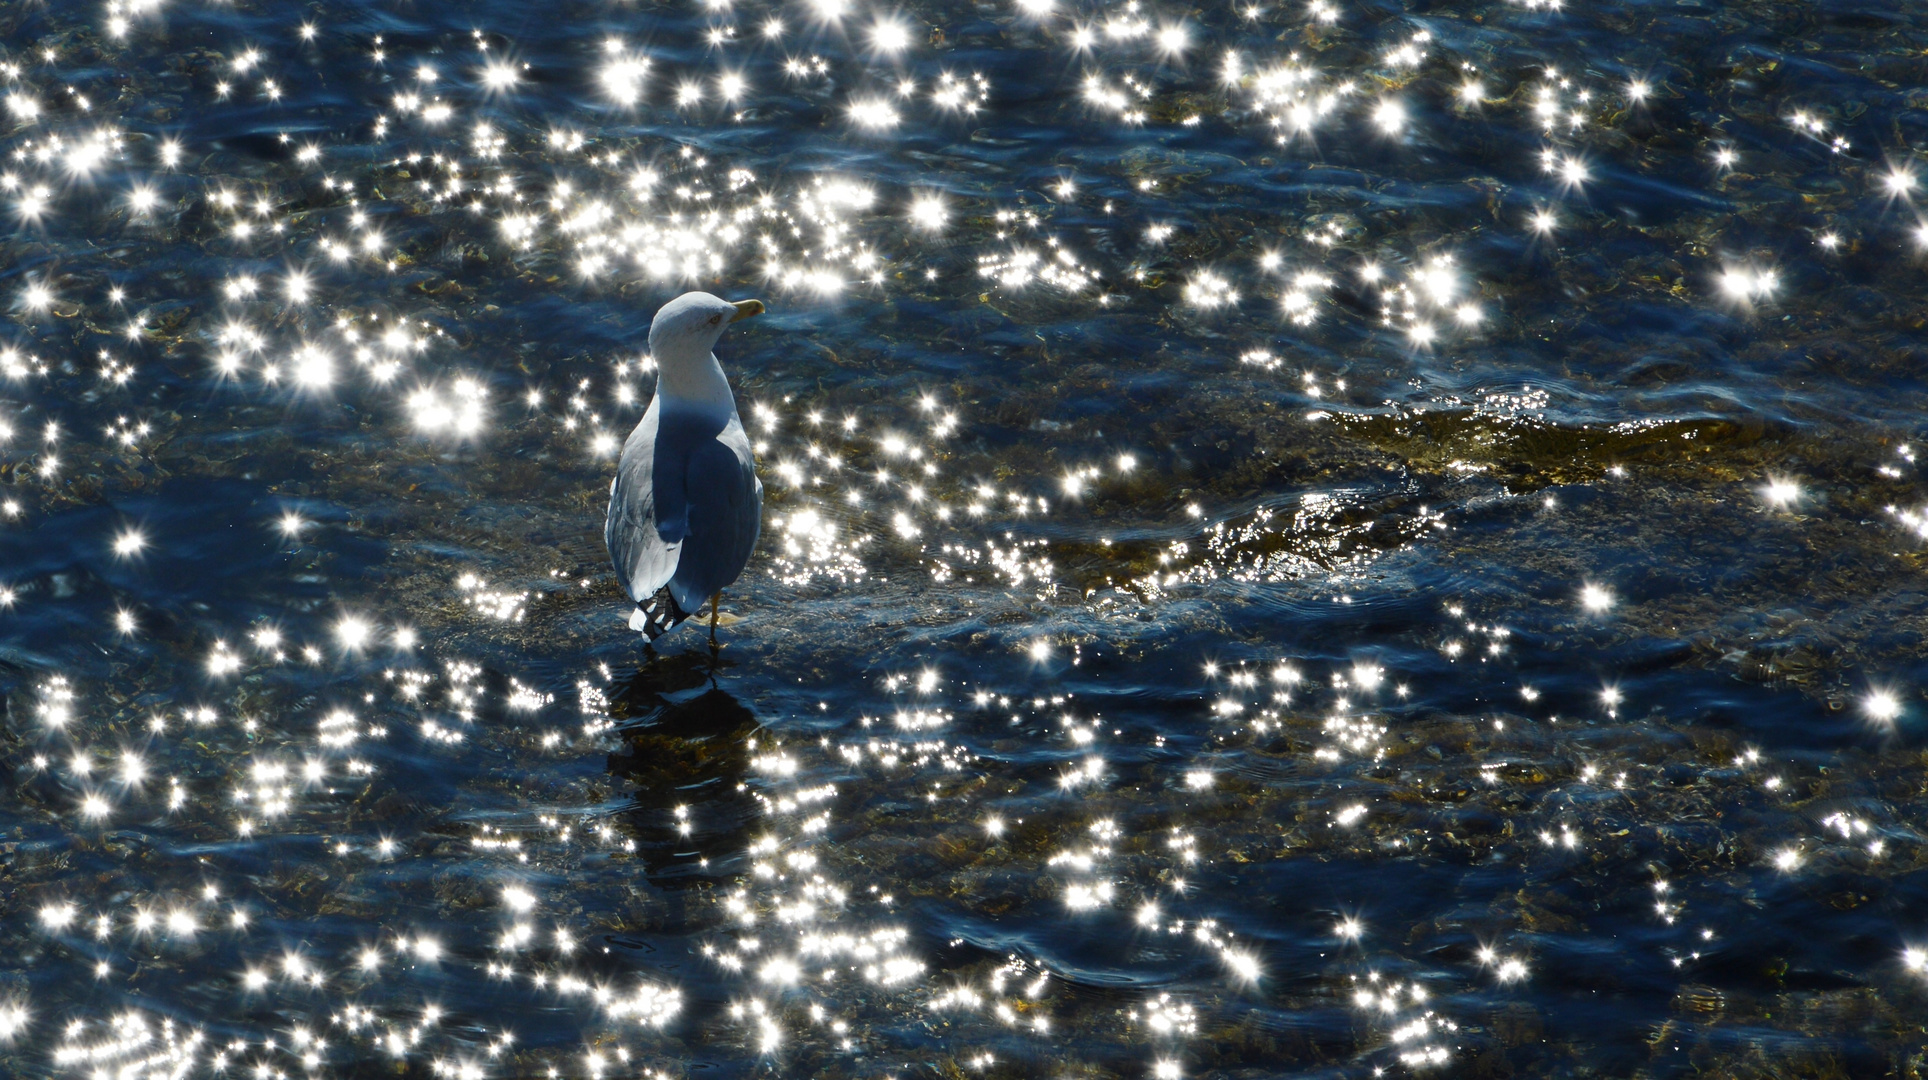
{"x": 686, "y": 329}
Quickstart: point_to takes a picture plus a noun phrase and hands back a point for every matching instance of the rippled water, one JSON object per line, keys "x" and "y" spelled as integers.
{"x": 1353, "y": 539}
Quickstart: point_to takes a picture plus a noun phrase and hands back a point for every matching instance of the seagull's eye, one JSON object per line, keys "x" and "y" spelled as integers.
{"x": 714, "y": 319}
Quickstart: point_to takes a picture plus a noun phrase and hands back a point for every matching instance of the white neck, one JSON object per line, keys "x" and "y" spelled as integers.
{"x": 694, "y": 382}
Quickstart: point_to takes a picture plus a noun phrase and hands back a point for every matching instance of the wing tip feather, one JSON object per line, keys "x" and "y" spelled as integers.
{"x": 657, "y": 616}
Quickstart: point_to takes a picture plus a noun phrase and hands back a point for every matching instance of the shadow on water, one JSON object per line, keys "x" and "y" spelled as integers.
{"x": 686, "y": 753}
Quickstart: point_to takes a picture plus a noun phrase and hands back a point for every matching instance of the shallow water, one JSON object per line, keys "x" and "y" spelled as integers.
{"x": 1340, "y": 540}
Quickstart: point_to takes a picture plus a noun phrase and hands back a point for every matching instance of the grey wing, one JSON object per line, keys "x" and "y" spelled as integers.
{"x": 726, "y": 516}
{"x": 644, "y": 561}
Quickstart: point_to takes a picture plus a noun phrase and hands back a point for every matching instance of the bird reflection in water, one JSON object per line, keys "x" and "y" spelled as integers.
{"x": 686, "y": 752}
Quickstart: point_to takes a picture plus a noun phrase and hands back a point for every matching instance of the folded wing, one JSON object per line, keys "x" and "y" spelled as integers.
{"x": 725, "y": 516}
{"x": 644, "y": 560}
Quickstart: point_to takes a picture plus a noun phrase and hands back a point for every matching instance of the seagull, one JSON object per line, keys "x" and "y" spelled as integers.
{"x": 686, "y": 505}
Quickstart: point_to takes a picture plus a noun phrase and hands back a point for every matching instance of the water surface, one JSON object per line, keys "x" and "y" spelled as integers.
{"x": 1346, "y": 539}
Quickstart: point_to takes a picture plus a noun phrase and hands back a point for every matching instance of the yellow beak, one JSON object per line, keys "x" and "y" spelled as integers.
{"x": 747, "y": 309}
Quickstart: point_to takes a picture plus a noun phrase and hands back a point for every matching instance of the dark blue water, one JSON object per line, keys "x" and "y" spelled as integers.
{"x": 1338, "y": 540}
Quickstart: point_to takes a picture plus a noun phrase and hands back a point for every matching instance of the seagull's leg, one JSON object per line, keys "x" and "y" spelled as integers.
{"x": 713, "y": 602}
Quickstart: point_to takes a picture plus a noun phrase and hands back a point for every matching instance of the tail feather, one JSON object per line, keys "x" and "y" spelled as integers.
{"x": 657, "y": 616}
